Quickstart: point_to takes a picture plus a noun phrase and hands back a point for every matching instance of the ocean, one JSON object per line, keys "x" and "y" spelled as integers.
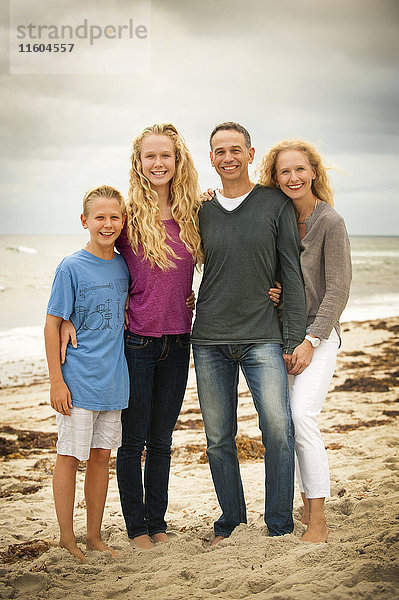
{"x": 27, "y": 269}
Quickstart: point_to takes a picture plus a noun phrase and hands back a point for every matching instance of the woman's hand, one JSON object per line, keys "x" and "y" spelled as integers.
{"x": 190, "y": 302}
{"x": 67, "y": 333}
{"x": 208, "y": 195}
{"x": 301, "y": 358}
{"x": 275, "y": 293}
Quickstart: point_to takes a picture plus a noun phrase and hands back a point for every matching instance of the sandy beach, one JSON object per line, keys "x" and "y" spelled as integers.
{"x": 359, "y": 424}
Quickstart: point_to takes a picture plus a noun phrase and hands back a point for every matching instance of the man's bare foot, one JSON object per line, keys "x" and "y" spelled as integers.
{"x": 217, "y": 540}
{"x": 316, "y": 533}
{"x": 159, "y": 538}
{"x": 73, "y": 549}
{"x": 100, "y": 547}
{"x": 142, "y": 542}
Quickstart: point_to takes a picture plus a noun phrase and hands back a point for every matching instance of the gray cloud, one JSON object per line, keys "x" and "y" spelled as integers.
{"x": 326, "y": 71}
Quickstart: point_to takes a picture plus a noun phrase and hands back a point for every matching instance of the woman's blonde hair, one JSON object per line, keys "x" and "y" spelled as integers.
{"x": 321, "y": 186}
{"x": 144, "y": 224}
{"x": 103, "y": 191}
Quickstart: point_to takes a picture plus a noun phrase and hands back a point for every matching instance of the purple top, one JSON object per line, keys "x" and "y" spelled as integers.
{"x": 157, "y": 299}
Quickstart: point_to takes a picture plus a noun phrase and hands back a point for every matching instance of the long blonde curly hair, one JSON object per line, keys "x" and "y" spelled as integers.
{"x": 321, "y": 186}
{"x": 144, "y": 224}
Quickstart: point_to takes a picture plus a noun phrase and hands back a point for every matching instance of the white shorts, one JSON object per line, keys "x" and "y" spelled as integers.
{"x": 86, "y": 429}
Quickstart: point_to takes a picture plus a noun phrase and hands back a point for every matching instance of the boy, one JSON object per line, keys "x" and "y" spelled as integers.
{"x": 91, "y": 388}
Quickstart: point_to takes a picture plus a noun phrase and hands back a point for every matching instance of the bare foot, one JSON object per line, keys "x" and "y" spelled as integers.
{"x": 305, "y": 509}
{"x": 305, "y": 517}
{"x": 142, "y": 542}
{"x": 315, "y": 533}
{"x": 73, "y": 549}
{"x": 217, "y": 540}
{"x": 159, "y": 537}
{"x": 100, "y": 547}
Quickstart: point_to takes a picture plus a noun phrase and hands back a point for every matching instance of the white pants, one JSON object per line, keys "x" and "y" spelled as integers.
{"x": 308, "y": 392}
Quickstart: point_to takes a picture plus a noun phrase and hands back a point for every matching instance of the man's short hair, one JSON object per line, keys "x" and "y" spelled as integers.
{"x": 236, "y": 127}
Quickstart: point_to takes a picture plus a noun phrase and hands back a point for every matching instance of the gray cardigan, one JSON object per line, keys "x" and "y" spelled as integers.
{"x": 326, "y": 268}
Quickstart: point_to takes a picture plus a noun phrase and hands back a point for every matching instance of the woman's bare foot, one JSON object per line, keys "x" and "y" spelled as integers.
{"x": 73, "y": 549}
{"x": 316, "y": 533}
{"x": 317, "y": 530}
{"x": 159, "y": 538}
{"x": 217, "y": 540}
{"x": 100, "y": 547}
{"x": 142, "y": 542}
{"x": 305, "y": 510}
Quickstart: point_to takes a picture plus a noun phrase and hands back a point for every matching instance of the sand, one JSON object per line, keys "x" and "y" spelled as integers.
{"x": 358, "y": 561}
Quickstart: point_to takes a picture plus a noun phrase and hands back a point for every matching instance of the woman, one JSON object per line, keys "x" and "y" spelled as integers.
{"x": 297, "y": 169}
{"x": 160, "y": 244}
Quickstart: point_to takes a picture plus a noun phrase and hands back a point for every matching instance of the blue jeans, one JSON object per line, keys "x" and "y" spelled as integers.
{"x": 158, "y": 369}
{"x": 217, "y": 369}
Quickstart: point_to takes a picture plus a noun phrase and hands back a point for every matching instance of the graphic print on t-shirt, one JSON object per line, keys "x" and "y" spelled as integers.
{"x": 107, "y": 314}
{"x": 89, "y": 288}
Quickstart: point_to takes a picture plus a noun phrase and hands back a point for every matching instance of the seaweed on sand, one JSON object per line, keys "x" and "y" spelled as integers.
{"x": 26, "y": 550}
{"x": 26, "y": 442}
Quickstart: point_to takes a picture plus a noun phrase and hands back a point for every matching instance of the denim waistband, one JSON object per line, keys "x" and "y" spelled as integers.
{"x": 166, "y": 336}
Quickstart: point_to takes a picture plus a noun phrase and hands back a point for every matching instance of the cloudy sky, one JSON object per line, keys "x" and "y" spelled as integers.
{"x": 326, "y": 71}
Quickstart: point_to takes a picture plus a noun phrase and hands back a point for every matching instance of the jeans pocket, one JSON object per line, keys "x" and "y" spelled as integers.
{"x": 183, "y": 340}
{"x": 132, "y": 340}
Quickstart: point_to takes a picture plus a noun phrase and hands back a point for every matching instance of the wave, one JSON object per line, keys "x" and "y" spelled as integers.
{"x": 372, "y": 261}
{"x": 368, "y": 308}
{"x": 375, "y": 253}
{"x": 22, "y": 357}
{"x": 23, "y": 249}
{"x": 21, "y": 343}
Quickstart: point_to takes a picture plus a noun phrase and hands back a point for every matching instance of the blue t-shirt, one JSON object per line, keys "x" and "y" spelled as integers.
{"x": 92, "y": 292}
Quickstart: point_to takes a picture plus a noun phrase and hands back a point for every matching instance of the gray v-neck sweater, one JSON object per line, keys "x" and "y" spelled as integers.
{"x": 243, "y": 250}
{"x": 326, "y": 268}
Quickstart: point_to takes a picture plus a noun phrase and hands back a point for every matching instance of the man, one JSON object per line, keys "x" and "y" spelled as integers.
{"x": 248, "y": 232}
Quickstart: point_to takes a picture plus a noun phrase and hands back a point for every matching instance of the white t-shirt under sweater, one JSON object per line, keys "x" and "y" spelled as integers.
{"x": 230, "y": 203}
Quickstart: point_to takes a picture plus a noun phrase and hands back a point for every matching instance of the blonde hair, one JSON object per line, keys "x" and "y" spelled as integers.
{"x": 103, "y": 191}
{"x": 321, "y": 185}
{"x": 144, "y": 224}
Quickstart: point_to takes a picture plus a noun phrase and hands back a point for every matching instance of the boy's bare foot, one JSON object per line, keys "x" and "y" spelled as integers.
{"x": 217, "y": 540}
{"x": 100, "y": 547}
{"x": 159, "y": 538}
{"x": 73, "y": 549}
{"x": 142, "y": 542}
{"x": 316, "y": 533}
